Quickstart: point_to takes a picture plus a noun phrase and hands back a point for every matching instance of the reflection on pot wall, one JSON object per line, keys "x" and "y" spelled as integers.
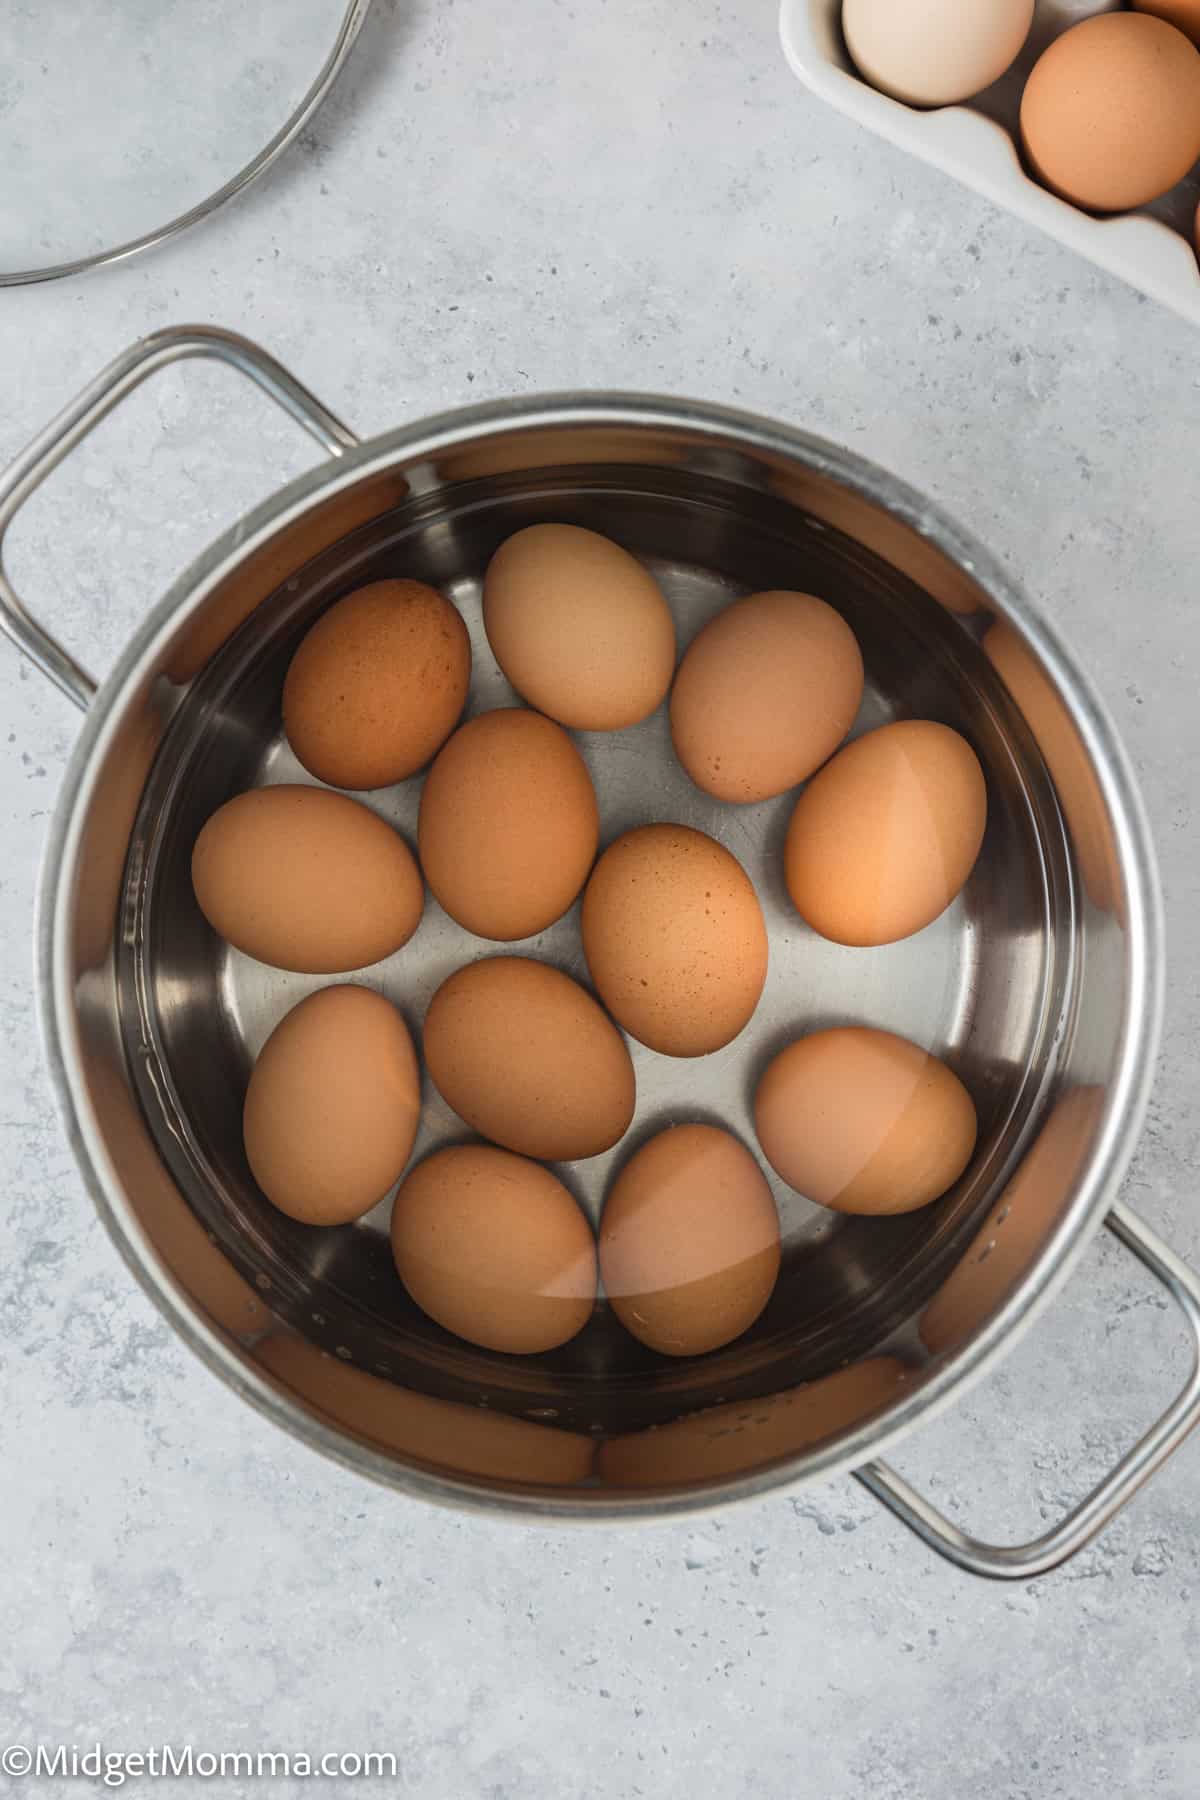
{"x": 160, "y": 1212}
{"x": 1017, "y": 1226}
{"x": 897, "y": 543}
{"x": 747, "y": 1434}
{"x": 285, "y": 553}
{"x": 109, "y": 823}
{"x": 466, "y": 1439}
{"x": 1068, "y": 761}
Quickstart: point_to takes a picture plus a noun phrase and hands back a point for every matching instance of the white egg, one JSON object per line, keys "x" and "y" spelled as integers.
{"x": 935, "y": 52}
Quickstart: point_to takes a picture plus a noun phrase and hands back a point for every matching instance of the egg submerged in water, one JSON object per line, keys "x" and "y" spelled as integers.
{"x": 332, "y": 1106}
{"x": 675, "y": 939}
{"x": 508, "y": 824}
{"x": 377, "y": 685}
{"x": 303, "y": 879}
{"x": 862, "y": 1121}
{"x": 580, "y": 628}
{"x": 765, "y": 692}
{"x": 494, "y": 1248}
{"x": 526, "y": 1057}
{"x": 885, "y": 836}
{"x": 689, "y": 1241}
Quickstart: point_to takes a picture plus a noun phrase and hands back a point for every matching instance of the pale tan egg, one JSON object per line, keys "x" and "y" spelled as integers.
{"x": 508, "y": 825}
{"x": 377, "y": 685}
{"x": 689, "y": 1241}
{"x": 494, "y": 1249}
{"x": 473, "y": 1439}
{"x": 528, "y": 1059}
{"x": 332, "y": 1106}
{"x": 748, "y": 1434}
{"x": 1110, "y": 117}
{"x": 935, "y": 52}
{"x": 863, "y": 1121}
{"x": 885, "y": 836}
{"x": 675, "y": 939}
{"x": 580, "y": 628}
{"x": 307, "y": 880}
{"x": 1183, "y": 14}
{"x": 764, "y": 694}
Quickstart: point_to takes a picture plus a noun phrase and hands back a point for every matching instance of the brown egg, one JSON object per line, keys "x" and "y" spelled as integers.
{"x": 675, "y": 939}
{"x": 1183, "y": 14}
{"x": 307, "y": 880}
{"x": 527, "y": 1058}
{"x": 1110, "y": 116}
{"x": 473, "y": 1439}
{"x": 863, "y": 1121}
{"x": 495, "y": 1249}
{"x": 332, "y": 1106}
{"x": 689, "y": 1241}
{"x": 377, "y": 685}
{"x": 579, "y": 627}
{"x": 764, "y": 694}
{"x": 508, "y": 824}
{"x": 882, "y": 840}
{"x": 748, "y": 1434}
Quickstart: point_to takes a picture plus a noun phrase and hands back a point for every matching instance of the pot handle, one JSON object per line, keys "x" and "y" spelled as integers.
{"x": 1020, "y": 1562}
{"x": 121, "y": 376}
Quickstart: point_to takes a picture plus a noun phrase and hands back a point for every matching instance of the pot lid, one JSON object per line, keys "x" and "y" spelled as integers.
{"x": 124, "y": 121}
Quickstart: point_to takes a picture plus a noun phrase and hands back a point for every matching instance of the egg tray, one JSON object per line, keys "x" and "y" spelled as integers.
{"x": 977, "y": 143}
{"x": 987, "y": 986}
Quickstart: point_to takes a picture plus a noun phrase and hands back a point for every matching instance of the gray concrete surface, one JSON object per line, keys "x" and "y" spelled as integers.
{"x": 628, "y": 193}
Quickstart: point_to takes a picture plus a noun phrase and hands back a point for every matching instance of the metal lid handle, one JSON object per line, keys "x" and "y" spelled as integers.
{"x": 1019, "y": 1562}
{"x": 85, "y": 412}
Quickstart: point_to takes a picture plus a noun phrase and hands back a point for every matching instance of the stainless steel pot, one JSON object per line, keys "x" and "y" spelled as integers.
{"x": 1042, "y": 985}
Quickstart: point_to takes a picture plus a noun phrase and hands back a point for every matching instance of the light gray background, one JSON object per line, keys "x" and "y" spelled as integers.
{"x": 631, "y": 193}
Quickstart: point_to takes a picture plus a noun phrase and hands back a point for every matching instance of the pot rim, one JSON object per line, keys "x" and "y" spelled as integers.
{"x": 1127, "y": 1091}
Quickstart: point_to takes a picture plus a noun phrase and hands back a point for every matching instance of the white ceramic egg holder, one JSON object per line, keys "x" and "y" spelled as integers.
{"x": 979, "y": 151}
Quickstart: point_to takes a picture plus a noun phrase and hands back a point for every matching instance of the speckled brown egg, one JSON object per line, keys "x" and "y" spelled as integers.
{"x": 332, "y": 1106}
{"x": 863, "y": 1121}
{"x": 308, "y": 880}
{"x": 528, "y": 1059}
{"x": 1110, "y": 117}
{"x": 885, "y": 836}
{"x": 377, "y": 685}
{"x": 1183, "y": 14}
{"x": 764, "y": 694}
{"x": 508, "y": 824}
{"x": 580, "y": 628}
{"x": 689, "y": 1241}
{"x": 494, "y": 1248}
{"x": 675, "y": 939}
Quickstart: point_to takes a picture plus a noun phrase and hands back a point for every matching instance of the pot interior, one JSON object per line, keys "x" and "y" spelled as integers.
{"x": 865, "y": 1309}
